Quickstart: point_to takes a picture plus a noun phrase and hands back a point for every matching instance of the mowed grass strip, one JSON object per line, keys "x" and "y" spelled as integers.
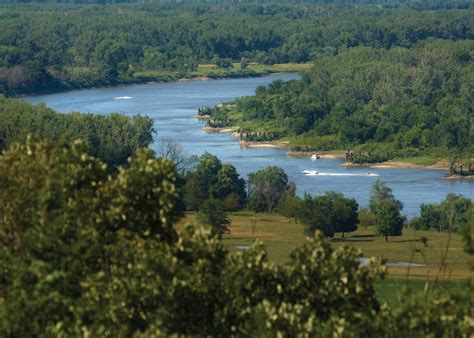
{"x": 281, "y": 235}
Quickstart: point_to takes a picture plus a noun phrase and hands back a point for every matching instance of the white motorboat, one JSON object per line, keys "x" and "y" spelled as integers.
{"x": 310, "y": 172}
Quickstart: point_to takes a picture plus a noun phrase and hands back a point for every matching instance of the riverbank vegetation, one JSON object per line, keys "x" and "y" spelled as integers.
{"x": 112, "y": 138}
{"x": 382, "y": 104}
{"x": 47, "y": 47}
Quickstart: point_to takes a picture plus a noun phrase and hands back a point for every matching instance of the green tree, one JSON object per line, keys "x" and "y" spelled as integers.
{"x": 67, "y": 228}
{"x": 212, "y": 179}
{"x": 289, "y": 205}
{"x": 366, "y": 218}
{"x": 244, "y": 63}
{"x": 199, "y": 182}
{"x": 228, "y": 182}
{"x": 212, "y": 212}
{"x": 345, "y": 216}
{"x": 467, "y": 232}
{"x": 329, "y": 213}
{"x": 266, "y": 186}
{"x": 388, "y": 218}
{"x": 386, "y": 208}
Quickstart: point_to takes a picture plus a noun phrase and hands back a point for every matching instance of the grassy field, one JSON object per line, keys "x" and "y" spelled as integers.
{"x": 281, "y": 235}
{"x": 212, "y": 71}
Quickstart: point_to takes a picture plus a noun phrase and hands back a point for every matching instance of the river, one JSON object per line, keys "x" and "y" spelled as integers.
{"x": 173, "y": 106}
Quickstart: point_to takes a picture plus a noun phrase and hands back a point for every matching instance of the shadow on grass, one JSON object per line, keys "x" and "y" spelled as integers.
{"x": 351, "y": 240}
{"x": 404, "y": 241}
{"x": 227, "y": 238}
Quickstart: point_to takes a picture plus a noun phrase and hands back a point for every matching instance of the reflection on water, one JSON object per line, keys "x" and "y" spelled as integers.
{"x": 173, "y": 105}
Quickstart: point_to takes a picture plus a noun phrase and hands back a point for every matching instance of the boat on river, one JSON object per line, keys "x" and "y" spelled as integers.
{"x": 310, "y": 172}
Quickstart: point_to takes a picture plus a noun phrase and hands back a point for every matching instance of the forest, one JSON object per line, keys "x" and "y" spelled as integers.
{"x": 101, "y": 236}
{"x": 387, "y": 103}
{"x": 51, "y": 47}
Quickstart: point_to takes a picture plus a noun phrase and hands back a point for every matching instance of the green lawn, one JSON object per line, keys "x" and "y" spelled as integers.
{"x": 281, "y": 235}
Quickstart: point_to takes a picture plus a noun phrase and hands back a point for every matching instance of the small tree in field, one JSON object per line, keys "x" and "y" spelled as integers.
{"x": 386, "y": 208}
{"x": 212, "y": 212}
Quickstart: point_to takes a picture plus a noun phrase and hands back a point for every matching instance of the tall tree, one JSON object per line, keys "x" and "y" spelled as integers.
{"x": 266, "y": 186}
{"x": 386, "y": 208}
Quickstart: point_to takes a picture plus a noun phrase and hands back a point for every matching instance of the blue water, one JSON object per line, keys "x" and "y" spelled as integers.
{"x": 174, "y": 105}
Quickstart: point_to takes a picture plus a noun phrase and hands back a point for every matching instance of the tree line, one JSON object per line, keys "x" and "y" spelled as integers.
{"x": 48, "y": 47}
{"x": 112, "y": 138}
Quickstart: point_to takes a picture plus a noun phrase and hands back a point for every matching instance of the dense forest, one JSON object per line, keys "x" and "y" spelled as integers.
{"x": 113, "y": 138}
{"x": 47, "y": 47}
{"x": 396, "y": 102}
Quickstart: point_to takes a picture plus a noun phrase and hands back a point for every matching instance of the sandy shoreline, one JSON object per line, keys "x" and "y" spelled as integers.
{"x": 338, "y": 154}
{"x": 399, "y": 165}
{"x": 273, "y": 144}
{"x": 458, "y": 177}
{"x": 322, "y": 154}
{"x": 218, "y": 130}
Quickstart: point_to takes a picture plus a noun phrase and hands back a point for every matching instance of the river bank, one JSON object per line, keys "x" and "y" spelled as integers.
{"x": 173, "y": 105}
{"x": 204, "y": 72}
{"x": 337, "y": 154}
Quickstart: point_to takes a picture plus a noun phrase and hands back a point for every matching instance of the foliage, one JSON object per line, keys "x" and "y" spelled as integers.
{"x": 382, "y": 103}
{"x": 112, "y": 138}
{"x": 386, "y": 209}
{"x": 289, "y": 205}
{"x": 48, "y": 46}
{"x": 366, "y": 218}
{"x": 266, "y": 187}
{"x": 329, "y": 213}
{"x": 212, "y": 212}
{"x": 452, "y": 211}
{"x": 212, "y": 179}
{"x": 467, "y": 231}
{"x": 66, "y": 228}
{"x": 86, "y": 253}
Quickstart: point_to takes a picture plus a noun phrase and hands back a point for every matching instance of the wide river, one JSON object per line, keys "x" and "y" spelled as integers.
{"x": 174, "y": 105}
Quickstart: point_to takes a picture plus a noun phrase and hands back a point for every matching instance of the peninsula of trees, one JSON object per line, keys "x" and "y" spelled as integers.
{"x": 399, "y": 102}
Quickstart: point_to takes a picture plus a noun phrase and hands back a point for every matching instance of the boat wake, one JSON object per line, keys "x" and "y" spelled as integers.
{"x": 317, "y": 173}
{"x": 123, "y": 98}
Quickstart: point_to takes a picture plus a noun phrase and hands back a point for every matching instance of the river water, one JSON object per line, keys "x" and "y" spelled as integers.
{"x": 173, "y": 106}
